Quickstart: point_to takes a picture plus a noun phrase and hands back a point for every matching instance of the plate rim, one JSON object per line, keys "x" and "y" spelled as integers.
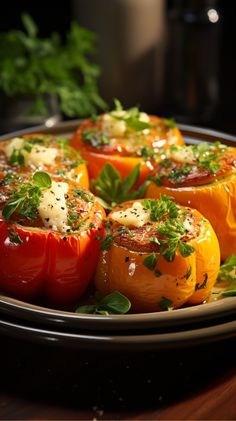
{"x": 133, "y": 342}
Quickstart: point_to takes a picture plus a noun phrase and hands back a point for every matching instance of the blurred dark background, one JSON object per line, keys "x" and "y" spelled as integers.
{"x": 174, "y": 58}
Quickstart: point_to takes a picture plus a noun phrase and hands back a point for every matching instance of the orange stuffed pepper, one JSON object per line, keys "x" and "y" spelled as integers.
{"x": 158, "y": 254}
{"x": 125, "y": 139}
{"x": 43, "y": 152}
{"x": 202, "y": 176}
{"x": 48, "y": 237}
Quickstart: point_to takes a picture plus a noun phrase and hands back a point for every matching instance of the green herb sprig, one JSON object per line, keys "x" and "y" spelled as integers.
{"x": 172, "y": 229}
{"x": 95, "y": 138}
{"x": 25, "y": 200}
{"x": 112, "y": 189}
{"x": 131, "y": 117}
{"x": 205, "y": 155}
{"x": 30, "y": 65}
{"x": 114, "y": 303}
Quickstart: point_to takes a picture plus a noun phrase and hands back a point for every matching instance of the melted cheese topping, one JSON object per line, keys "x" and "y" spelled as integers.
{"x": 52, "y": 209}
{"x": 116, "y": 128}
{"x": 113, "y": 127}
{"x": 14, "y": 144}
{"x": 136, "y": 215}
{"x": 39, "y": 155}
{"x": 183, "y": 155}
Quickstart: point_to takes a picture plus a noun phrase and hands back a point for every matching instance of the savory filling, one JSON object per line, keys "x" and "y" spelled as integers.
{"x": 150, "y": 225}
{"x": 129, "y": 133}
{"x": 38, "y": 201}
{"x": 195, "y": 165}
{"x": 39, "y": 152}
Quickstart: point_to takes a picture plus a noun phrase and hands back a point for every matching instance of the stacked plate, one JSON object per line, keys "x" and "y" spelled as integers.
{"x": 183, "y": 327}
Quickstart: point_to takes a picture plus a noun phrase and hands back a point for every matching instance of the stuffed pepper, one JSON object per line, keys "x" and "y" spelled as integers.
{"x": 202, "y": 176}
{"x": 125, "y": 139}
{"x": 42, "y": 152}
{"x": 48, "y": 237}
{"x": 158, "y": 254}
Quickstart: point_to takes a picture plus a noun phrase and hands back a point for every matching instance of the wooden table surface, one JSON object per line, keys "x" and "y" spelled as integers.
{"x": 49, "y": 383}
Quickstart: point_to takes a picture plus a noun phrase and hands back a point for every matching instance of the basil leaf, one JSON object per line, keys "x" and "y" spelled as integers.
{"x": 136, "y": 124}
{"x": 228, "y": 270}
{"x": 110, "y": 186}
{"x": 42, "y": 179}
{"x": 229, "y": 293}
{"x": 115, "y": 303}
{"x": 88, "y": 309}
{"x": 130, "y": 180}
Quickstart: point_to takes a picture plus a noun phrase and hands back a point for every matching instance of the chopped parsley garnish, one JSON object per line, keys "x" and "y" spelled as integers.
{"x": 95, "y": 138}
{"x": 106, "y": 242}
{"x": 171, "y": 232}
{"x": 176, "y": 175}
{"x": 161, "y": 207}
{"x": 188, "y": 273}
{"x": 150, "y": 153}
{"x": 165, "y": 303}
{"x": 62, "y": 142}
{"x": 7, "y": 179}
{"x": 150, "y": 261}
{"x": 25, "y": 200}
{"x": 203, "y": 154}
{"x": 172, "y": 229}
{"x": 82, "y": 194}
{"x": 157, "y": 273}
{"x": 14, "y": 236}
{"x": 203, "y": 284}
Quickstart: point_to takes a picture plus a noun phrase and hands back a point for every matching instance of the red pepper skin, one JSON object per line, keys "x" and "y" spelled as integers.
{"x": 49, "y": 264}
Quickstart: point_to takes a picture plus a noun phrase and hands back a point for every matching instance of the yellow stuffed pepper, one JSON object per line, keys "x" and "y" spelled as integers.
{"x": 202, "y": 176}
{"x": 159, "y": 254}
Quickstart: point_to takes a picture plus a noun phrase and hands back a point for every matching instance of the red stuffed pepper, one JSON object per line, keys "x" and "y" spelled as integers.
{"x": 125, "y": 139}
{"x": 43, "y": 152}
{"x": 48, "y": 237}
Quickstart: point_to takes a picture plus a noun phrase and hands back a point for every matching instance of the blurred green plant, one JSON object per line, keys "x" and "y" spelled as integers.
{"x": 30, "y": 65}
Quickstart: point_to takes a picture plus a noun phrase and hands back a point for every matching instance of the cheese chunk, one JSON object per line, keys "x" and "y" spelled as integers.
{"x": 113, "y": 127}
{"x": 52, "y": 208}
{"x": 144, "y": 117}
{"x": 136, "y": 216}
{"x": 39, "y": 155}
{"x": 183, "y": 155}
{"x": 14, "y": 144}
